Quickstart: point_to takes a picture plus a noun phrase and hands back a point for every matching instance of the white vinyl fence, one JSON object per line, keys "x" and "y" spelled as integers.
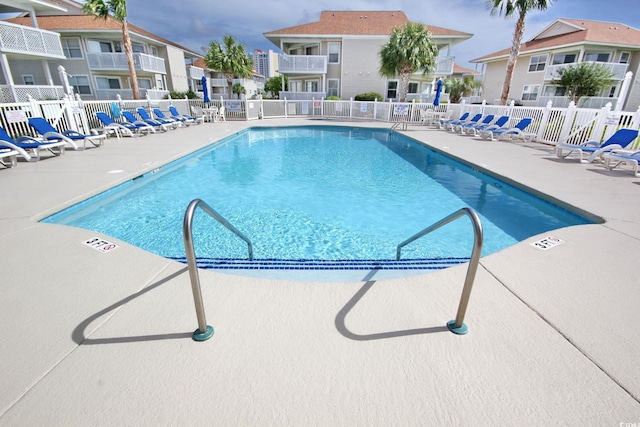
{"x": 550, "y": 124}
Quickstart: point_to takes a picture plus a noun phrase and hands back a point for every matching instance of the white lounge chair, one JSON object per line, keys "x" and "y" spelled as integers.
{"x": 71, "y": 137}
{"x": 8, "y": 157}
{"x": 622, "y": 139}
{"x": 501, "y": 133}
{"x": 616, "y": 158}
{"x": 29, "y": 148}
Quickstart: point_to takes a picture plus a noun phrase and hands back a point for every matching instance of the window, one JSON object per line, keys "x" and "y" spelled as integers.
{"x": 612, "y": 91}
{"x": 99, "y": 47}
{"x": 28, "y": 79}
{"x": 293, "y": 51}
{"x": 80, "y": 84}
{"x": 154, "y": 51}
{"x": 624, "y": 57}
{"x": 333, "y": 87}
{"x": 564, "y": 58}
{"x": 117, "y": 47}
{"x": 530, "y": 92}
{"x": 160, "y": 86}
{"x": 108, "y": 83}
{"x": 413, "y": 87}
{"x": 144, "y": 83}
{"x": 312, "y": 86}
{"x": 537, "y": 63}
{"x": 137, "y": 48}
{"x": 334, "y": 52}
{"x": 596, "y": 57}
{"x": 71, "y": 47}
{"x": 295, "y": 86}
{"x": 392, "y": 89}
{"x": 551, "y": 90}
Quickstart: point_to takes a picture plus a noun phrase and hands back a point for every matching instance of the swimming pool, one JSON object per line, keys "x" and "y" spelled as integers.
{"x": 318, "y": 198}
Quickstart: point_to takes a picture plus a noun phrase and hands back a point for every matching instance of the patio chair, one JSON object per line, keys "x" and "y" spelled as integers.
{"x": 622, "y": 139}
{"x": 220, "y": 116}
{"x": 188, "y": 119}
{"x": 168, "y": 120}
{"x": 502, "y": 133}
{"x": 163, "y": 124}
{"x": 8, "y": 157}
{"x": 126, "y": 129}
{"x": 463, "y": 127}
{"x": 143, "y": 124}
{"x": 29, "y": 148}
{"x": 615, "y": 158}
{"x": 49, "y": 133}
{"x": 454, "y": 125}
{"x": 444, "y": 123}
{"x": 500, "y": 123}
{"x": 199, "y": 114}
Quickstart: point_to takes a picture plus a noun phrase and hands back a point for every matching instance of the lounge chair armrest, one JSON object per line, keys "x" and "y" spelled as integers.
{"x": 55, "y": 135}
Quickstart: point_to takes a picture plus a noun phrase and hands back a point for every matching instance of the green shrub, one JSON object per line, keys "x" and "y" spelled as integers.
{"x": 180, "y": 95}
{"x": 369, "y": 96}
{"x": 332, "y": 98}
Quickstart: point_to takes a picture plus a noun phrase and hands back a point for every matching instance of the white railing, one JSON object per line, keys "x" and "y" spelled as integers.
{"x": 619, "y": 70}
{"x": 584, "y": 102}
{"x": 305, "y": 64}
{"x": 426, "y": 98}
{"x": 118, "y": 61}
{"x": 128, "y": 93}
{"x": 294, "y": 96}
{"x": 196, "y": 72}
{"x": 21, "y": 93}
{"x": 218, "y": 82}
{"x": 29, "y": 41}
{"x": 444, "y": 65}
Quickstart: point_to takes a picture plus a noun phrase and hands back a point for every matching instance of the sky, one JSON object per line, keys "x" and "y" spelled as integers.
{"x": 194, "y": 24}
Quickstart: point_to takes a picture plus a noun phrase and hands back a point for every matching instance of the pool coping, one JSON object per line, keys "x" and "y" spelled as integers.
{"x": 545, "y": 344}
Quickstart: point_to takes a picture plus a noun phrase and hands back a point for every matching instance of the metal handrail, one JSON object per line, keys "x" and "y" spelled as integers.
{"x": 457, "y": 326}
{"x": 204, "y": 331}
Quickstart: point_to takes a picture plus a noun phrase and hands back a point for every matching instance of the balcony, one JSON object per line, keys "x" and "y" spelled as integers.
{"x": 108, "y": 94}
{"x": 619, "y": 70}
{"x": 196, "y": 72}
{"x": 21, "y": 40}
{"x": 302, "y": 64}
{"x": 444, "y": 65}
{"x": 218, "y": 82}
{"x": 118, "y": 62}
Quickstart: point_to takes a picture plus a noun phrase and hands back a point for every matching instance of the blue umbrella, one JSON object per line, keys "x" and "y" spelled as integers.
{"x": 205, "y": 90}
{"x": 436, "y": 99}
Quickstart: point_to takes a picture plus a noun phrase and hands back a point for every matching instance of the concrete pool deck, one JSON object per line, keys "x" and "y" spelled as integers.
{"x": 91, "y": 338}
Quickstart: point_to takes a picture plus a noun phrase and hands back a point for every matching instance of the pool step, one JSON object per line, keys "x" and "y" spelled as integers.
{"x": 314, "y": 264}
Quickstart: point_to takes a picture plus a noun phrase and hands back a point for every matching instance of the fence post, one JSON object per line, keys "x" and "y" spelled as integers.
{"x": 546, "y": 111}
{"x": 68, "y": 111}
{"x": 83, "y": 114}
{"x": 568, "y": 122}
{"x": 351, "y": 108}
{"x": 375, "y": 108}
{"x": 285, "y": 107}
{"x": 635, "y": 121}
{"x": 34, "y": 107}
{"x": 598, "y": 128}
{"x": 624, "y": 89}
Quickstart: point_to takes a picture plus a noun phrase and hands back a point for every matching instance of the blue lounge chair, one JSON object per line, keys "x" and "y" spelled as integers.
{"x": 501, "y": 122}
{"x": 169, "y": 120}
{"x": 445, "y": 123}
{"x": 188, "y": 119}
{"x": 28, "y": 147}
{"x": 8, "y": 157}
{"x": 486, "y": 121}
{"x": 456, "y": 127}
{"x": 622, "y": 139}
{"x": 48, "y": 132}
{"x": 616, "y": 158}
{"x": 163, "y": 124}
{"x": 124, "y": 128}
{"x": 501, "y": 133}
{"x": 150, "y": 125}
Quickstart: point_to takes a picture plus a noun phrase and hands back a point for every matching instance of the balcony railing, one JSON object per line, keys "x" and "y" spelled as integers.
{"x": 302, "y": 64}
{"x": 444, "y": 66}
{"x": 218, "y": 82}
{"x": 302, "y": 96}
{"x": 619, "y": 70}
{"x": 584, "y": 102}
{"x": 118, "y": 62}
{"x": 196, "y": 72}
{"x": 128, "y": 94}
{"x": 29, "y": 41}
{"x": 20, "y": 93}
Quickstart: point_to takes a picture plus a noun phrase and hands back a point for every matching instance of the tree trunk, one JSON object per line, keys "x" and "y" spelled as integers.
{"x": 513, "y": 58}
{"x": 229, "y": 77}
{"x": 129, "y": 53}
{"x": 403, "y": 85}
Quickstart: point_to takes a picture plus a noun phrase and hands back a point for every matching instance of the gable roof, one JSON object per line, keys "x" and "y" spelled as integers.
{"x": 79, "y": 23}
{"x": 359, "y": 23}
{"x": 568, "y": 32}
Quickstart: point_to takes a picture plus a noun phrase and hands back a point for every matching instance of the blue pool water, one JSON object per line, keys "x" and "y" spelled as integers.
{"x": 317, "y": 197}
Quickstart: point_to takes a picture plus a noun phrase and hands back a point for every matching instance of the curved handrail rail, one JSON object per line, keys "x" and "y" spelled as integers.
{"x": 457, "y": 326}
{"x": 204, "y": 331}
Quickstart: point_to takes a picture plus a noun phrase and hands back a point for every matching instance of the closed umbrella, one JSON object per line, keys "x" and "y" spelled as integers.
{"x": 205, "y": 90}
{"x": 436, "y": 99}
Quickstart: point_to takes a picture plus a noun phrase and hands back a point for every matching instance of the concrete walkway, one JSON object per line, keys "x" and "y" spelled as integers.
{"x": 93, "y": 338}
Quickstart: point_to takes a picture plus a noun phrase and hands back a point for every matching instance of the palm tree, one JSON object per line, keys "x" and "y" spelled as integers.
{"x": 116, "y": 9}
{"x": 408, "y": 51}
{"x": 508, "y": 8}
{"x": 457, "y": 88}
{"x": 232, "y": 60}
